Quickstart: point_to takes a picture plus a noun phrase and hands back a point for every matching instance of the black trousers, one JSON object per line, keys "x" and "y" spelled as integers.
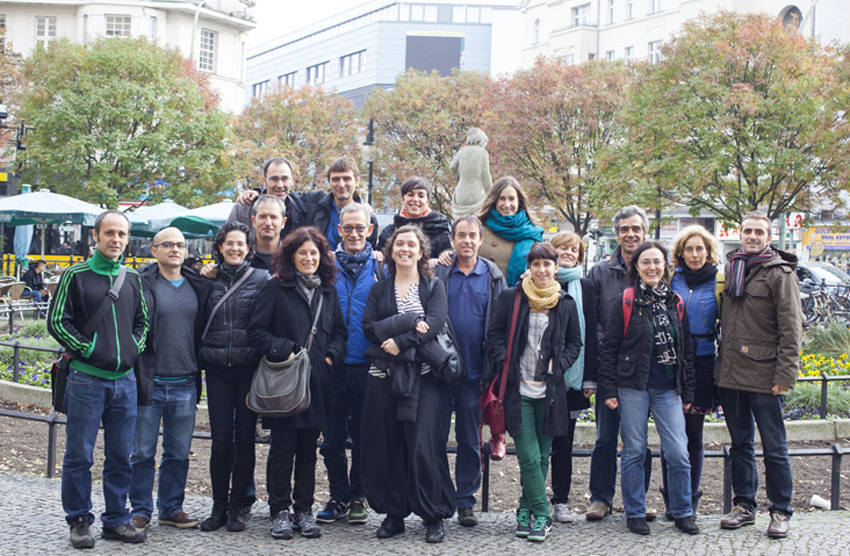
{"x": 404, "y": 465}
{"x": 562, "y": 465}
{"x": 291, "y": 448}
{"x": 233, "y": 428}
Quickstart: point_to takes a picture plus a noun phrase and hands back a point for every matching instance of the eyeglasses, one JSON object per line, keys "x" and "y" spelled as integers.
{"x": 348, "y": 228}
{"x": 171, "y": 245}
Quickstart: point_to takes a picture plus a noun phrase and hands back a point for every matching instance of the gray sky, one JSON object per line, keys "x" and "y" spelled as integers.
{"x": 279, "y": 17}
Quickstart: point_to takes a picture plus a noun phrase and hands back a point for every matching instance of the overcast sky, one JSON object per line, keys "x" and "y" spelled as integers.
{"x": 279, "y": 17}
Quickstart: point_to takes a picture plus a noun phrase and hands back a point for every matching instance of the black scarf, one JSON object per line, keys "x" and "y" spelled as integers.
{"x": 656, "y": 301}
{"x": 231, "y": 272}
{"x": 308, "y": 284}
{"x": 694, "y": 278}
{"x": 350, "y": 264}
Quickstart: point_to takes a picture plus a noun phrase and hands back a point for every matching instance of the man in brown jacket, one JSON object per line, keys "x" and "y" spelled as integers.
{"x": 761, "y": 324}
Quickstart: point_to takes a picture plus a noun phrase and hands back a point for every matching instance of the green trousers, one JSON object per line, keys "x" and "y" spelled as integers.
{"x": 532, "y": 450}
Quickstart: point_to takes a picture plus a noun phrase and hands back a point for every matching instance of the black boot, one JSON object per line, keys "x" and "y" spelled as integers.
{"x": 217, "y": 518}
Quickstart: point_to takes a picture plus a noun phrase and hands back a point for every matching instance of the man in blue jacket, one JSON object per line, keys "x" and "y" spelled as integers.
{"x": 101, "y": 387}
{"x": 358, "y": 271}
{"x": 472, "y": 284}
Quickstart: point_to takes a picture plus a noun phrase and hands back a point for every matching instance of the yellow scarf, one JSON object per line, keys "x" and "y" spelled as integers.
{"x": 541, "y": 300}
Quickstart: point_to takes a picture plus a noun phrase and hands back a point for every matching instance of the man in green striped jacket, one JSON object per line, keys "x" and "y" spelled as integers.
{"x": 101, "y": 384}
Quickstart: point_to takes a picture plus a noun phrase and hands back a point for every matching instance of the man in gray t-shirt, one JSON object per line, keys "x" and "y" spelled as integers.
{"x": 168, "y": 384}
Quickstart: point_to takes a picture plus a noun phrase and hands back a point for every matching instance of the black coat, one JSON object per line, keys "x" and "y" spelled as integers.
{"x": 144, "y": 372}
{"x": 625, "y": 362}
{"x": 279, "y": 328}
{"x": 561, "y": 343}
{"x": 226, "y": 348}
{"x": 435, "y": 225}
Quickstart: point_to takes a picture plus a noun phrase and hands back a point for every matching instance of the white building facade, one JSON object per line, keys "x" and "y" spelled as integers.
{"x": 580, "y": 30}
{"x": 211, "y": 33}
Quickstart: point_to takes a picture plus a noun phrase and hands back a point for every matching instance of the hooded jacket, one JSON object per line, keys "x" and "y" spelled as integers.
{"x": 435, "y": 225}
{"x": 119, "y": 337}
{"x": 762, "y": 332}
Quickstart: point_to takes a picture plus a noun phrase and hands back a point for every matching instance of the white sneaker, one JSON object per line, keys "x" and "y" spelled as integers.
{"x": 562, "y": 513}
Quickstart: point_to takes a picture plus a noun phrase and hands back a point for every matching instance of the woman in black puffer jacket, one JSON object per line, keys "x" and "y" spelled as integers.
{"x": 229, "y": 360}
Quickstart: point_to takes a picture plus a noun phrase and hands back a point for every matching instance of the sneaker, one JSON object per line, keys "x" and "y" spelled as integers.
{"x": 140, "y": 522}
{"x": 282, "y": 526}
{"x": 435, "y": 531}
{"x": 216, "y": 520}
{"x": 466, "y": 516}
{"x": 597, "y": 511}
{"x": 357, "y": 512}
{"x": 390, "y": 527}
{"x": 181, "y": 520}
{"x": 81, "y": 536}
{"x": 303, "y": 523}
{"x": 124, "y": 533}
{"x": 738, "y": 517}
{"x": 687, "y": 525}
{"x": 563, "y": 514}
{"x": 235, "y": 520}
{"x": 779, "y": 526}
{"x": 541, "y": 529}
{"x": 333, "y": 511}
{"x": 523, "y": 523}
{"x": 637, "y": 525}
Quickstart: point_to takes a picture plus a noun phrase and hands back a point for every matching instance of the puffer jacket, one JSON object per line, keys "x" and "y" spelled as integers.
{"x": 701, "y": 305}
{"x": 353, "y": 294}
{"x": 561, "y": 344}
{"x": 435, "y": 225}
{"x": 624, "y": 362}
{"x": 226, "y": 347}
{"x": 762, "y": 332}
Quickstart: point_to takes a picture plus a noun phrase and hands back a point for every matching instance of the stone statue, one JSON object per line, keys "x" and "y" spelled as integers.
{"x": 471, "y": 165}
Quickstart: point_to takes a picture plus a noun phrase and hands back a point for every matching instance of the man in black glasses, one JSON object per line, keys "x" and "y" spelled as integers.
{"x": 277, "y": 181}
{"x": 169, "y": 383}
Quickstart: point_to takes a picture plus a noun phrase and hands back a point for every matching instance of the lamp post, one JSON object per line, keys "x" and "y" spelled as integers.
{"x": 367, "y": 152}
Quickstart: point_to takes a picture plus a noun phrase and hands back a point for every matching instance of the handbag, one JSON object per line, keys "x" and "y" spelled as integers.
{"x": 492, "y": 400}
{"x": 451, "y": 370}
{"x": 59, "y": 369}
{"x": 282, "y": 389}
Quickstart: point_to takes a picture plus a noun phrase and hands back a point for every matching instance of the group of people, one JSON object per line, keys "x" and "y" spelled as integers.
{"x": 310, "y": 271}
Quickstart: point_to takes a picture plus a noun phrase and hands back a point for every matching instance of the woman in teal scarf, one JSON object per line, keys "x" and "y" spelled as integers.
{"x": 509, "y": 230}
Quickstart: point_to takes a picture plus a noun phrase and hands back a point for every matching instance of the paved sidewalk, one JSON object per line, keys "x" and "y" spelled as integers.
{"x": 31, "y": 513}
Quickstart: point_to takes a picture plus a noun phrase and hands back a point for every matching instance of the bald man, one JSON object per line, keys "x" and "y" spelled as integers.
{"x": 169, "y": 383}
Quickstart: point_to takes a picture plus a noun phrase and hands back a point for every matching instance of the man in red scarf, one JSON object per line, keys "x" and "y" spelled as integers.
{"x": 762, "y": 327}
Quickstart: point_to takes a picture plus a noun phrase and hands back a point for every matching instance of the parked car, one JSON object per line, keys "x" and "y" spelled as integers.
{"x": 820, "y": 273}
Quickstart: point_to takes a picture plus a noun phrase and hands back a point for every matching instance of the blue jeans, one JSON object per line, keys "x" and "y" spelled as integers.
{"x": 603, "y": 460}
{"x": 741, "y": 409}
{"x": 91, "y": 400}
{"x": 348, "y": 388}
{"x": 462, "y": 399}
{"x": 174, "y": 406}
{"x": 666, "y": 406}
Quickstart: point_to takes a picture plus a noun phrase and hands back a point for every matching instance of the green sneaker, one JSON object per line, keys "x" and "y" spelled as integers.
{"x": 357, "y": 512}
{"x": 523, "y": 522}
{"x": 542, "y": 528}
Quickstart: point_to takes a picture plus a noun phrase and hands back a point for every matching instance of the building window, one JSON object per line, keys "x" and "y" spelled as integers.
{"x": 117, "y": 25}
{"x": 654, "y": 49}
{"x": 570, "y": 59}
{"x": 459, "y": 14}
{"x": 581, "y": 15}
{"x": 45, "y": 29}
{"x": 259, "y": 89}
{"x": 153, "y": 30}
{"x": 609, "y": 55}
{"x": 206, "y": 55}
{"x": 536, "y": 33}
{"x": 417, "y": 12}
{"x": 610, "y": 11}
{"x": 473, "y": 14}
{"x": 630, "y": 52}
{"x": 351, "y": 64}
{"x": 631, "y": 9}
{"x": 2, "y": 32}
{"x": 316, "y": 75}
{"x": 287, "y": 79}
{"x": 655, "y": 6}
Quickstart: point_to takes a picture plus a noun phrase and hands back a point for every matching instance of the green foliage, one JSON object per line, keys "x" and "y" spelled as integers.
{"x": 831, "y": 340}
{"x": 419, "y": 126}
{"x": 307, "y": 126}
{"x": 806, "y": 396}
{"x": 548, "y": 124}
{"x": 740, "y": 113}
{"x": 112, "y": 116}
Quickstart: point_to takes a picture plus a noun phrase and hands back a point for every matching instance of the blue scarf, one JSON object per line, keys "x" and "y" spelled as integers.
{"x": 571, "y": 278}
{"x": 350, "y": 264}
{"x": 519, "y": 229}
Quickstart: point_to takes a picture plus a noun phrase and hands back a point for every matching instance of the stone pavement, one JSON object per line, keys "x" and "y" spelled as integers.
{"x": 33, "y": 524}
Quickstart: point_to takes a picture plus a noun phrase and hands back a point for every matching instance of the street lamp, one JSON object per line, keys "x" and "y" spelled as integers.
{"x": 367, "y": 153}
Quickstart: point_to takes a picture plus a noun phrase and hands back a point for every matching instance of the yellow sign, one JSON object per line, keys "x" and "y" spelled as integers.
{"x": 835, "y": 238}
{"x": 4, "y": 176}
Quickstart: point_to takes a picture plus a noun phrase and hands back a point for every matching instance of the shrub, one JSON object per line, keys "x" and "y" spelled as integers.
{"x": 806, "y": 396}
{"x": 830, "y": 340}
